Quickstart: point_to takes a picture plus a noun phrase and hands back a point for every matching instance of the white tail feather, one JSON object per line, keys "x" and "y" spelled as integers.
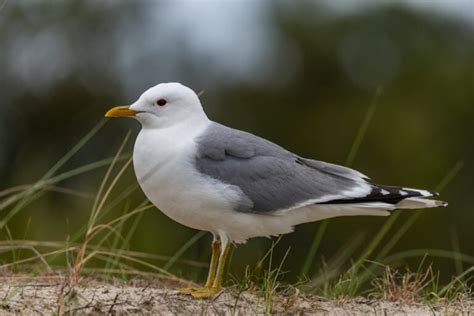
{"x": 416, "y": 202}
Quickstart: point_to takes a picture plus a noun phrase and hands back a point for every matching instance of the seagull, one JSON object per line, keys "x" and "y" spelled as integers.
{"x": 237, "y": 185}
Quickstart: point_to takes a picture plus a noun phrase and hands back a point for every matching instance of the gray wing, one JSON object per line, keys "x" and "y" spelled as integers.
{"x": 270, "y": 177}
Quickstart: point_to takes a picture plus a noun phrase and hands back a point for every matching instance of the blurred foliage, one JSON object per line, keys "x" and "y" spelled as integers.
{"x": 63, "y": 64}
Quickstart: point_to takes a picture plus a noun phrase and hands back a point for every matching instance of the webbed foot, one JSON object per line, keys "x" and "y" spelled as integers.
{"x": 204, "y": 292}
{"x": 187, "y": 290}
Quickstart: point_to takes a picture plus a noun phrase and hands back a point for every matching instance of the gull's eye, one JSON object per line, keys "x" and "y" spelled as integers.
{"x": 161, "y": 102}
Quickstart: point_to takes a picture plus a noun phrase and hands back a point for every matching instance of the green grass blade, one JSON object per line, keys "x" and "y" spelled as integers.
{"x": 97, "y": 202}
{"x": 25, "y": 198}
{"x": 458, "y": 278}
{"x": 440, "y": 253}
{"x": 75, "y": 149}
{"x": 314, "y": 248}
{"x": 363, "y": 128}
{"x": 183, "y": 249}
{"x": 319, "y": 234}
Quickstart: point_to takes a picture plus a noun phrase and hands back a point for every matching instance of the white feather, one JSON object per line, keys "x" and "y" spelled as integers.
{"x": 415, "y": 202}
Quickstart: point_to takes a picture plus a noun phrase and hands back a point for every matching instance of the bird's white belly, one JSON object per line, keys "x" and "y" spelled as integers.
{"x": 166, "y": 173}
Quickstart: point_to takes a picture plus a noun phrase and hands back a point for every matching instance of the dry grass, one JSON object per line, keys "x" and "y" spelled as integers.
{"x": 407, "y": 287}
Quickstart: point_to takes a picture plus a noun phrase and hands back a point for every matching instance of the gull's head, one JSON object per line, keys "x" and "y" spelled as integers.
{"x": 163, "y": 105}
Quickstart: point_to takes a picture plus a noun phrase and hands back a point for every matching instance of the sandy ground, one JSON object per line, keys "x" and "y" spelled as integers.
{"x": 53, "y": 296}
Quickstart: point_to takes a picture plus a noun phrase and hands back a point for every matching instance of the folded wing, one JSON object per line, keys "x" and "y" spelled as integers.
{"x": 273, "y": 179}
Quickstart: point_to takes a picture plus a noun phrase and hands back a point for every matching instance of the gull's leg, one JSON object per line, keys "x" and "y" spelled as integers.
{"x": 221, "y": 267}
{"x": 219, "y": 276}
{"x": 216, "y": 252}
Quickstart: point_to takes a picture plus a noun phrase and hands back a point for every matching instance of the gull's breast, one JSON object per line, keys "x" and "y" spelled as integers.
{"x": 165, "y": 169}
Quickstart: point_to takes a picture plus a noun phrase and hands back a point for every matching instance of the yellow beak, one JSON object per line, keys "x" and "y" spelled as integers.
{"x": 121, "y": 111}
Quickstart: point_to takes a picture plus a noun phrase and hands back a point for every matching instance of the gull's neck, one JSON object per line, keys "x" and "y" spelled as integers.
{"x": 156, "y": 148}
{"x": 185, "y": 130}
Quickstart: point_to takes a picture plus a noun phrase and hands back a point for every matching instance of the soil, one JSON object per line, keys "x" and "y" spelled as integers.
{"x": 52, "y": 295}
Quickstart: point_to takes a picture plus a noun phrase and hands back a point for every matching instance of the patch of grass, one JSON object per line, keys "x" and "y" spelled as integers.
{"x": 405, "y": 286}
{"x": 264, "y": 280}
{"x": 271, "y": 281}
{"x": 421, "y": 286}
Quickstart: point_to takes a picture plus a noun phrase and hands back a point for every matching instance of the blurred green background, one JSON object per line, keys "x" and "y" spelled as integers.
{"x": 302, "y": 74}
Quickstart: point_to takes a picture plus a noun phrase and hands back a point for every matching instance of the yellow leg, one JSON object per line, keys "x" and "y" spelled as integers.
{"x": 216, "y": 253}
{"x": 217, "y": 285}
{"x": 221, "y": 267}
